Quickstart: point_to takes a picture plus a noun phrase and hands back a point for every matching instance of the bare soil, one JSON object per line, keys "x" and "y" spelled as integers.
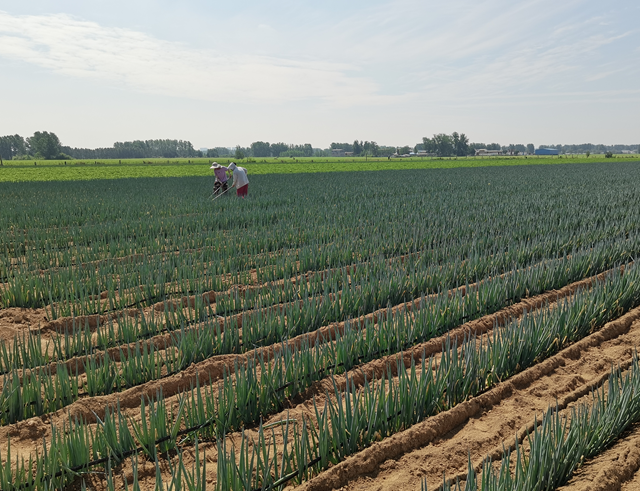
{"x": 481, "y": 426}
{"x": 441, "y": 444}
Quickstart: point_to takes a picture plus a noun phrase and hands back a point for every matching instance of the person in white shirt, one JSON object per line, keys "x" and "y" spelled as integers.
{"x": 240, "y": 180}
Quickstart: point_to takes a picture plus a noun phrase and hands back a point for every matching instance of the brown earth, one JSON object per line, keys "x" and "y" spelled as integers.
{"x": 439, "y": 444}
{"x": 212, "y": 370}
{"x": 480, "y": 426}
{"x": 616, "y": 469}
{"x": 17, "y": 320}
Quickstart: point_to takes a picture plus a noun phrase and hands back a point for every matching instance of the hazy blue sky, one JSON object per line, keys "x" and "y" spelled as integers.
{"x": 226, "y": 73}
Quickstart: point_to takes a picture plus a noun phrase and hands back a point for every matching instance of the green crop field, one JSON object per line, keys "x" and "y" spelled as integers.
{"x": 152, "y": 336}
{"x": 73, "y": 170}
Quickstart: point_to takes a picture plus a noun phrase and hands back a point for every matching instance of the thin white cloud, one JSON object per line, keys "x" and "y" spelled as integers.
{"x": 417, "y": 63}
{"x": 80, "y": 48}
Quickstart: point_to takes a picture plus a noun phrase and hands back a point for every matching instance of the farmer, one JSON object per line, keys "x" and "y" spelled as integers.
{"x": 240, "y": 180}
{"x": 221, "y": 178}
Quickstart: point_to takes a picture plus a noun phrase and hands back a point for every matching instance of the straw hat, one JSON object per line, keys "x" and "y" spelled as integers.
{"x": 215, "y": 165}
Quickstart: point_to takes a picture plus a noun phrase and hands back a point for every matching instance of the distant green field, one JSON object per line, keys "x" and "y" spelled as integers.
{"x": 80, "y": 170}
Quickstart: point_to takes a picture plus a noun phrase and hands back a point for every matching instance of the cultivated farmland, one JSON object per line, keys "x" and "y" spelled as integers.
{"x": 370, "y": 330}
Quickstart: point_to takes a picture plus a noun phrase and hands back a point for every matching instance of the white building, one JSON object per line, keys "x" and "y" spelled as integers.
{"x": 483, "y": 152}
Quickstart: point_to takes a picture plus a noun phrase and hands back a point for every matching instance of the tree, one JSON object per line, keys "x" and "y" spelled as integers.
{"x": 531, "y": 148}
{"x": 460, "y": 144}
{"x": 305, "y": 150}
{"x": 371, "y": 148}
{"x": 11, "y": 146}
{"x": 404, "y": 150}
{"x": 278, "y": 148}
{"x": 444, "y": 145}
{"x": 45, "y": 144}
{"x": 239, "y": 155}
{"x": 357, "y": 147}
{"x": 429, "y": 145}
{"x": 519, "y": 148}
{"x": 384, "y": 151}
{"x": 261, "y": 149}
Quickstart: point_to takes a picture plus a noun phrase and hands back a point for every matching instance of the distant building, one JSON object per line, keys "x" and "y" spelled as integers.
{"x": 546, "y": 151}
{"x": 337, "y": 152}
{"x": 347, "y": 154}
{"x": 483, "y": 152}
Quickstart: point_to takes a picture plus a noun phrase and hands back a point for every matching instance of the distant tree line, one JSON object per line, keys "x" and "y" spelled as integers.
{"x": 46, "y": 145}
{"x": 363, "y": 148}
{"x": 137, "y": 149}
{"x": 591, "y": 148}
{"x": 266, "y": 149}
{"x": 262, "y": 149}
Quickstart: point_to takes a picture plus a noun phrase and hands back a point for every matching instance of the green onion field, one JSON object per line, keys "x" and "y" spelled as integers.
{"x": 456, "y": 324}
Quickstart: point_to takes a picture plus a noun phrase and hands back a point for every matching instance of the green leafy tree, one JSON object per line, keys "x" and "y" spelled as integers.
{"x": 224, "y": 151}
{"x": 261, "y": 149}
{"x": 44, "y": 144}
{"x": 444, "y": 145}
{"x": 357, "y": 147}
{"x": 239, "y": 154}
{"x": 460, "y": 144}
{"x": 371, "y": 148}
{"x": 531, "y": 148}
{"x": 278, "y": 148}
{"x": 384, "y": 151}
{"x": 11, "y": 146}
{"x": 430, "y": 145}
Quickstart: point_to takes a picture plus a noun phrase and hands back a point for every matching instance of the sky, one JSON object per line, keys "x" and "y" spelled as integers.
{"x": 230, "y": 73}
